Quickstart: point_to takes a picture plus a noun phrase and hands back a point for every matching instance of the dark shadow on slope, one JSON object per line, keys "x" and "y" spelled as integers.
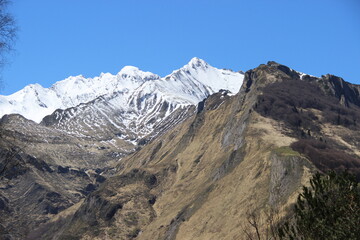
{"x": 294, "y": 103}
{"x": 326, "y": 158}
{"x": 291, "y": 101}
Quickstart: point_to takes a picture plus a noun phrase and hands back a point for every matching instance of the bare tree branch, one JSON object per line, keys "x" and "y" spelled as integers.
{"x": 8, "y": 30}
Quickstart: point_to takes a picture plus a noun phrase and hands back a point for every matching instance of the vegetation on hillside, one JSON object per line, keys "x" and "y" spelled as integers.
{"x": 294, "y": 102}
{"x": 306, "y": 109}
{"x": 327, "y": 158}
{"x": 328, "y": 209}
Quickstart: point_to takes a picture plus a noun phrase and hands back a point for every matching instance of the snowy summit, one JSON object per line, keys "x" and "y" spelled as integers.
{"x": 187, "y": 85}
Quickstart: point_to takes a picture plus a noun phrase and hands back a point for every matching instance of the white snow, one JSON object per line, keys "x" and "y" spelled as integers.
{"x": 132, "y": 90}
{"x": 303, "y": 74}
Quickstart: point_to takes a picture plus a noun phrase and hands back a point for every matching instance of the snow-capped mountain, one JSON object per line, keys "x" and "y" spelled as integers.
{"x": 146, "y": 110}
{"x": 35, "y": 102}
{"x": 185, "y": 86}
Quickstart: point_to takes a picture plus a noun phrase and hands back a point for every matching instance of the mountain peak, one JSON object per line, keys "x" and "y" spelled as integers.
{"x": 32, "y": 87}
{"x": 135, "y": 72}
{"x": 196, "y": 62}
{"x": 129, "y": 70}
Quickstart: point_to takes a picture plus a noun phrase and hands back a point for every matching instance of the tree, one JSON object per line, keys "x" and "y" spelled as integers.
{"x": 262, "y": 226}
{"x": 328, "y": 209}
{"x": 7, "y": 31}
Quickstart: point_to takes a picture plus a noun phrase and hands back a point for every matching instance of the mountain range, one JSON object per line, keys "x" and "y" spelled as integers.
{"x": 131, "y": 88}
{"x": 123, "y": 109}
{"x": 186, "y": 156}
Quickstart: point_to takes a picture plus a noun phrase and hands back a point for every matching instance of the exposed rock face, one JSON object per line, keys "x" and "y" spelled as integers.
{"x": 348, "y": 93}
{"x": 199, "y": 179}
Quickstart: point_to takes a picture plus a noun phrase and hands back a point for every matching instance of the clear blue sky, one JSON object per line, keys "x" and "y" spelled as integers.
{"x": 59, "y": 38}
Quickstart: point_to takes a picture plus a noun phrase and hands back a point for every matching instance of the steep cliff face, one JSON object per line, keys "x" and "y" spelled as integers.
{"x": 238, "y": 154}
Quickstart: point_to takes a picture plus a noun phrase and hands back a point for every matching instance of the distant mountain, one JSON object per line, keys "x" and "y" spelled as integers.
{"x": 35, "y": 102}
{"x": 130, "y": 89}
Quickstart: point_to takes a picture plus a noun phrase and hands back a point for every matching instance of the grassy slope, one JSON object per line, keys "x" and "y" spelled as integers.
{"x": 206, "y": 184}
{"x": 216, "y": 167}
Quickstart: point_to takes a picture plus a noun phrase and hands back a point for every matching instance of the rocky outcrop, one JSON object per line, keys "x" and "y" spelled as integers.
{"x": 346, "y": 93}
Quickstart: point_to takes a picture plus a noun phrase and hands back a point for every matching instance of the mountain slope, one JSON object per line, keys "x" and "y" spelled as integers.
{"x": 239, "y": 154}
{"x": 48, "y": 168}
{"x": 42, "y": 172}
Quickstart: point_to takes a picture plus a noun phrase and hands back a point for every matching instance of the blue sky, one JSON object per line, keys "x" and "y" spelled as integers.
{"x": 59, "y": 38}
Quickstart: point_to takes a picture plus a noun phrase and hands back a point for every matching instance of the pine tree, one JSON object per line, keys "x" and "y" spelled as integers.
{"x": 328, "y": 209}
